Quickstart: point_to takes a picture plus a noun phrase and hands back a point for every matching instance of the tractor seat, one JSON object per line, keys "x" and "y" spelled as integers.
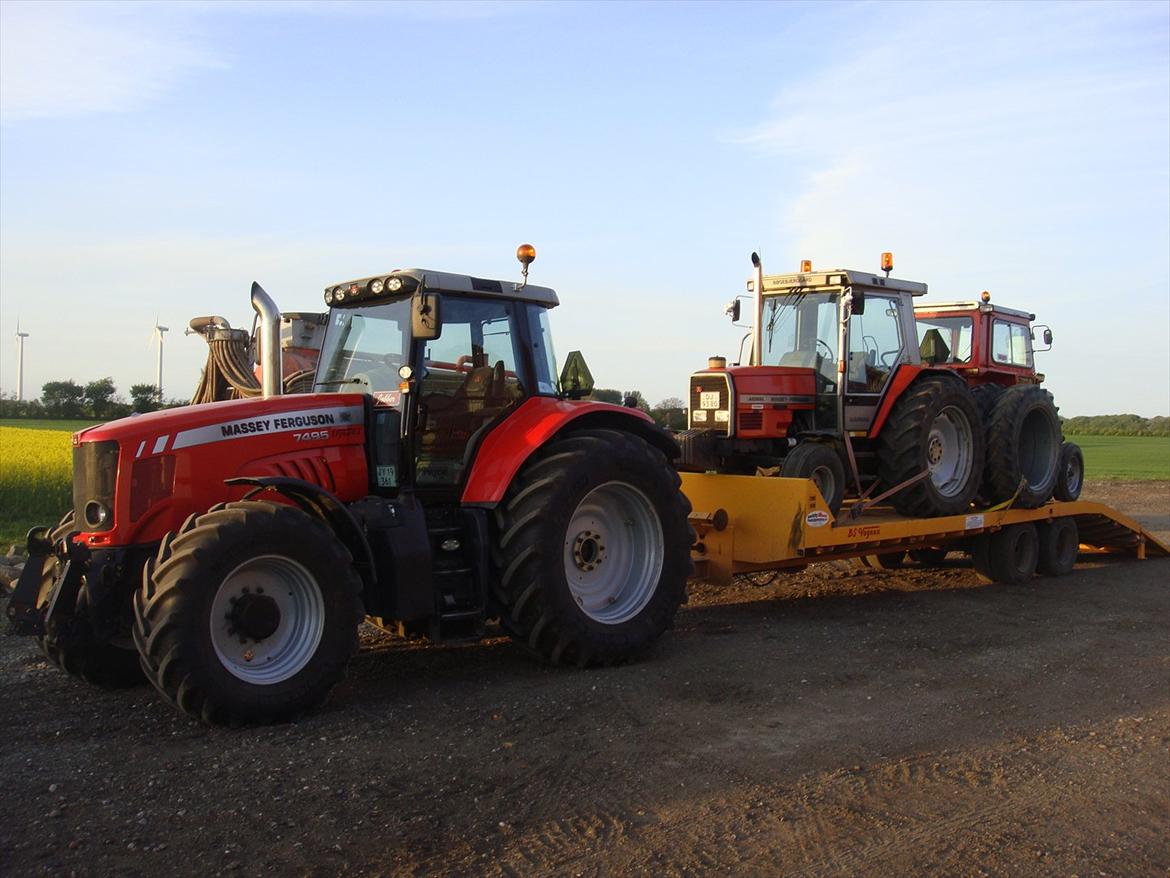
{"x": 933, "y": 349}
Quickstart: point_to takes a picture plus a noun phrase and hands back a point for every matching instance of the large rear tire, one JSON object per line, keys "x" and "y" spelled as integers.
{"x": 819, "y": 462}
{"x": 593, "y": 549}
{"x": 1023, "y": 443}
{"x": 934, "y": 426}
{"x": 248, "y": 615}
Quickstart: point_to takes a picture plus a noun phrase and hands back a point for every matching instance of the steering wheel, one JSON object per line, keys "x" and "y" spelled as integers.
{"x": 828, "y": 350}
{"x": 392, "y": 361}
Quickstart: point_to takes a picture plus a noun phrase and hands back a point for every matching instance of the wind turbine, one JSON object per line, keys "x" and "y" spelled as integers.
{"x": 157, "y": 332}
{"x": 20, "y": 337}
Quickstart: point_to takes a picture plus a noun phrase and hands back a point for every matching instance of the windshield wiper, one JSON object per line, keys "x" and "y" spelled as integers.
{"x": 339, "y": 381}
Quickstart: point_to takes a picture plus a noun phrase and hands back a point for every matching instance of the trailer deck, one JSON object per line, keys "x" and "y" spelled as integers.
{"x": 751, "y": 523}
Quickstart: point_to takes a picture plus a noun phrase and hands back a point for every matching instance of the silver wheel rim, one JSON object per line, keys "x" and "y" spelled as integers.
{"x": 1072, "y": 476}
{"x": 613, "y": 553}
{"x": 825, "y": 481}
{"x": 948, "y": 452}
{"x": 275, "y": 584}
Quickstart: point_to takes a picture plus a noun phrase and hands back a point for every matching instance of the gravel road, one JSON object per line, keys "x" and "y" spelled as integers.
{"x": 829, "y": 723}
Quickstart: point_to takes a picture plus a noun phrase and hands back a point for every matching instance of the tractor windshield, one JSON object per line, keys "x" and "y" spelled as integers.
{"x": 364, "y": 348}
{"x": 800, "y": 329}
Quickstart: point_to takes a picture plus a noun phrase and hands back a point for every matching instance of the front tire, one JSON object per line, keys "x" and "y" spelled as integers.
{"x": 248, "y": 615}
{"x": 819, "y": 462}
{"x": 593, "y": 549}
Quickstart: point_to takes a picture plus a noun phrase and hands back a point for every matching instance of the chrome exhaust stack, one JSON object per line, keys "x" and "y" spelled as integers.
{"x": 271, "y": 379}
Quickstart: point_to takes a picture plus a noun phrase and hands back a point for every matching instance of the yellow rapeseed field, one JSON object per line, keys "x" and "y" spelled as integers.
{"x": 36, "y": 469}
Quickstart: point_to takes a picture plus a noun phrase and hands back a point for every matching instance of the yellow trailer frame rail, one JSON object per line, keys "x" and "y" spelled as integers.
{"x": 750, "y": 523}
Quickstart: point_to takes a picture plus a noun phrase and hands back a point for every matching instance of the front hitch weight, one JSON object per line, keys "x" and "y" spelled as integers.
{"x": 23, "y": 615}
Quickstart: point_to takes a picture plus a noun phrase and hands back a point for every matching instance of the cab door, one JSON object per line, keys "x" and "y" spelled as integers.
{"x": 470, "y": 378}
{"x": 876, "y": 345}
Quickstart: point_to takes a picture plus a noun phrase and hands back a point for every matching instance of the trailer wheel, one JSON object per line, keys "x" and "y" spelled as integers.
{"x": 819, "y": 462}
{"x": 593, "y": 549}
{"x": 1059, "y": 546}
{"x": 1070, "y": 477}
{"x": 934, "y": 426}
{"x": 1009, "y": 555}
{"x": 249, "y": 614}
{"x": 1023, "y": 444}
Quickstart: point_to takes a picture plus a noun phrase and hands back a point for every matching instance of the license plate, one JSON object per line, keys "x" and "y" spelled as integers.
{"x": 709, "y": 399}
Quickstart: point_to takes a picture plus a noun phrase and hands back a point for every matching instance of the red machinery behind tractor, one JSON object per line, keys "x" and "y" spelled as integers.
{"x": 435, "y": 479}
{"x": 837, "y": 390}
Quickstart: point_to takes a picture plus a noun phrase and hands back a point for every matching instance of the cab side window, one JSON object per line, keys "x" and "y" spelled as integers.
{"x": 875, "y": 344}
{"x": 1011, "y": 344}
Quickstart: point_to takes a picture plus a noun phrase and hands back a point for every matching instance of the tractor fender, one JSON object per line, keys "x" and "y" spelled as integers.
{"x": 905, "y": 376}
{"x": 505, "y": 449}
{"x": 321, "y": 504}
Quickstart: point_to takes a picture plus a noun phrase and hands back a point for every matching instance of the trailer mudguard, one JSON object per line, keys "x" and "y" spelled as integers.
{"x": 540, "y": 418}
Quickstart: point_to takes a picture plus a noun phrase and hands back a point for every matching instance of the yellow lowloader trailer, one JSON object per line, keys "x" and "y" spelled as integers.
{"x": 746, "y": 524}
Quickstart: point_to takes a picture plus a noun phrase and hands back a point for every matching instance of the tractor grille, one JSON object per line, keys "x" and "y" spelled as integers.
{"x": 751, "y": 421}
{"x": 711, "y": 383}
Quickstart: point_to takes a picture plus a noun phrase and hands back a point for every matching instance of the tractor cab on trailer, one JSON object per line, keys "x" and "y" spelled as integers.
{"x": 992, "y": 348}
{"x": 835, "y": 390}
{"x": 437, "y": 479}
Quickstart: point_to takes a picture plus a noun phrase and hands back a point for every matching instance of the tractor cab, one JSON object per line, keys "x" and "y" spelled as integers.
{"x": 983, "y": 342}
{"x": 444, "y": 357}
{"x": 824, "y": 347}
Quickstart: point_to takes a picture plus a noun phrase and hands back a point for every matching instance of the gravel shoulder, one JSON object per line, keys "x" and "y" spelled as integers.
{"x": 832, "y": 722}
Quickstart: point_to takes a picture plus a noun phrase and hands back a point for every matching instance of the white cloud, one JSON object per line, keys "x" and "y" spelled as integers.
{"x": 67, "y": 59}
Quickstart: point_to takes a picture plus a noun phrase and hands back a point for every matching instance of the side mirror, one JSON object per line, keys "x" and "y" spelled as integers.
{"x": 732, "y": 310}
{"x": 1046, "y": 336}
{"x": 576, "y": 379}
{"x": 426, "y": 321}
{"x": 858, "y": 302}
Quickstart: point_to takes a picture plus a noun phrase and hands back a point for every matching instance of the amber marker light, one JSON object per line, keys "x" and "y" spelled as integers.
{"x": 985, "y": 296}
{"x": 806, "y": 265}
{"x": 887, "y": 261}
{"x": 526, "y": 253}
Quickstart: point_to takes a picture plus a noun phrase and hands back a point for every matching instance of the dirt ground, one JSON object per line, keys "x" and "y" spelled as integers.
{"x": 829, "y": 723}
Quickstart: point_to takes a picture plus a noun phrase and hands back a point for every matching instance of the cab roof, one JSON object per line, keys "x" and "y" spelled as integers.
{"x": 968, "y": 307}
{"x": 838, "y": 278}
{"x": 445, "y": 282}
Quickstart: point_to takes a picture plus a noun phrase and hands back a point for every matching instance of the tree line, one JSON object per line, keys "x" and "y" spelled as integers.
{"x": 670, "y": 412}
{"x": 1116, "y": 425}
{"x": 98, "y": 399}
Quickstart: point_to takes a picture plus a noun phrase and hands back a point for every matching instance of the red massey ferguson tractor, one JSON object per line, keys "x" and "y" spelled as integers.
{"x": 835, "y": 391}
{"x": 436, "y": 479}
{"x": 991, "y": 348}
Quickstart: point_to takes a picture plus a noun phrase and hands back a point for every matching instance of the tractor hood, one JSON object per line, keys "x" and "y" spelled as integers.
{"x": 174, "y": 429}
{"x": 137, "y": 478}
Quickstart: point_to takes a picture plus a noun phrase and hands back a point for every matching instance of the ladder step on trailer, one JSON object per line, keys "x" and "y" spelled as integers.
{"x": 752, "y": 523}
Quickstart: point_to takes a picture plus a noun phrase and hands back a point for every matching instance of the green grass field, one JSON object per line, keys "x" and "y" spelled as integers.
{"x": 36, "y": 463}
{"x": 1125, "y": 457}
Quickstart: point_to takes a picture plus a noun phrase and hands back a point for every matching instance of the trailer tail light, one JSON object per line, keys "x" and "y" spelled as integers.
{"x": 151, "y": 480}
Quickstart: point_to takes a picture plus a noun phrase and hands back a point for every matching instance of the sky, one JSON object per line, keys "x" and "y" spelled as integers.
{"x": 155, "y": 159}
